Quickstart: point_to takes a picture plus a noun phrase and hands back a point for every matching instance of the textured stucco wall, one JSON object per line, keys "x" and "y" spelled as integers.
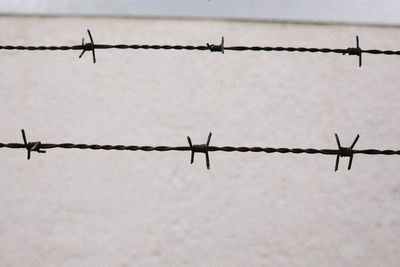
{"x": 98, "y": 208}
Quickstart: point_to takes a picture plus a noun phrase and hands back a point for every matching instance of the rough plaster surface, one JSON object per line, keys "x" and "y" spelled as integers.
{"x": 94, "y": 208}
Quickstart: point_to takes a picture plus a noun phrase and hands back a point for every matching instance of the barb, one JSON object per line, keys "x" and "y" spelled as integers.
{"x": 345, "y": 152}
{"x": 88, "y": 47}
{"x": 200, "y": 149}
{"x": 217, "y": 48}
{"x": 31, "y": 146}
{"x": 208, "y": 47}
{"x": 206, "y": 148}
{"x": 356, "y": 51}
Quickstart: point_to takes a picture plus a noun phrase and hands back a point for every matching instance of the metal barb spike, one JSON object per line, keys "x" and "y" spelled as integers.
{"x": 345, "y": 152}
{"x": 356, "y": 51}
{"x": 217, "y": 48}
{"x": 200, "y": 149}
{"x": 31, "y": 146}
{"x": 88, "y": 47}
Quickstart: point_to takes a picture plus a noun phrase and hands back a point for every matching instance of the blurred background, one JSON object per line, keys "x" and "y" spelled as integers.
{"x": 120, "y": 208}
{"x": 338, "y": 11}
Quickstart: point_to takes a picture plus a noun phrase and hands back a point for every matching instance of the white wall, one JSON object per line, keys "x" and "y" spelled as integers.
{"x": 99, "y": 208}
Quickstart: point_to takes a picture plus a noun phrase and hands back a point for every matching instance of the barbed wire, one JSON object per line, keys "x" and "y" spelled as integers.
{"x": 91, "y": 46}
{"x": 204, "y": 148}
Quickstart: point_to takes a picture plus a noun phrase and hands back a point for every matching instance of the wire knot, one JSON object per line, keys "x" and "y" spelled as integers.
{"x": 31, "y": 146}
{"x": 88, "y": 47}
{"x": 200, "y": 148}
{"x": 203, "y": 148}
{"x": 345, "y": 151}
{"x": 217, "y": 48}
{"x": 355, "y": 51}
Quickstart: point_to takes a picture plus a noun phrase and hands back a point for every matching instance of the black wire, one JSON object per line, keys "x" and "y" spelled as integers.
{"x": 209, "y": 148}
{"x": 201, "y": 48}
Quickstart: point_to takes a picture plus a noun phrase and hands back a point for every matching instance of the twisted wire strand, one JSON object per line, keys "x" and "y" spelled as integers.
{"x": 201, "y": 48}
{"x": 209, "y": 148}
